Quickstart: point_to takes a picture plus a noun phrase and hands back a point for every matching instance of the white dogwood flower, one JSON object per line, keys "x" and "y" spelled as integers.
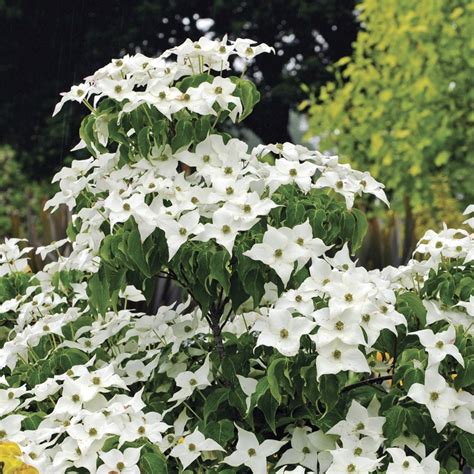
{"x": 403, "y": 464}
{"x": 122, "y": 463}
{"x": 308, "y": 449}
{"x": 439, "y": 345}
{"x": 282, "y": 331}
{"x": 190, "y": 381}
{"x": 190, "y": 448}
{"x": 249, "y": 452}
{"x": 337, "y": 356}
{"x": 438, "y": 397}
{"x": 359, "y": 421}
{"x": 278, "y": 252}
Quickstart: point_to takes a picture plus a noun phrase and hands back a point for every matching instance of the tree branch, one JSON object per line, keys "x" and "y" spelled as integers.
{"x": 367, "y": 382}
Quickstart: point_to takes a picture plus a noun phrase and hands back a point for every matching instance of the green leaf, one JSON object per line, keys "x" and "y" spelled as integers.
{"x": 31, "y": 422}
{"x": 278, "y": 376}
{"x": 394, "y": 420}
{"x": 249, "y": 96}
{"x": 410, "y": 304}
{"x": 184, "y": 135}
{"x": 194, "y": 81}
{"x": 310, "y": 388}
{"x": 273, "y": 375}
{"x": 219, "y": 270}
{"x": 202, "y": 128}
{"x": 360, "y": 229}
{"x": 268, "y": 405}
{"x": 144, "y": 141}
{"x": 412, "y": 376}
{"x": 153, "y": 463}
{"x": 329, "y": 389}
{"x": 136, "y": 253}
{"x": 67, "y": 358}
{"x": 253, "y": 284}
{"x": 465, "y": 376}
{"x": 466, "y": 443}
{"x": 98, "y": 292}
{"x": 221, "y": 431}
{"x": 213, "y": 402}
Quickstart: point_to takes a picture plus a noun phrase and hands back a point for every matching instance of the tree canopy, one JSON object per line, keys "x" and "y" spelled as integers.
{"x": 402, "y": 104}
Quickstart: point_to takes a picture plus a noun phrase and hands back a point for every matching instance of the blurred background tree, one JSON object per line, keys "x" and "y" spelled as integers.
{"x": 49, "y": 45}
{"x": 402, "y": 106}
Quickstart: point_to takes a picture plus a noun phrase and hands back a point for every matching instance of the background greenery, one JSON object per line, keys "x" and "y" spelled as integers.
{"x": 402, "y": 105}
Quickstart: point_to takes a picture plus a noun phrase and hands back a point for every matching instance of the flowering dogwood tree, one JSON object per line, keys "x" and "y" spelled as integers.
{"x": 283, "y": 356}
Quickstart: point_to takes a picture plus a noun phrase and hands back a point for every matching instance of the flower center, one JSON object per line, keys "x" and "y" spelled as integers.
{"x": 96, "y": 380}
{"x": 228, "y": 170}
{"x": 406, "y": 464}
{"x": 348, "y": 297}
{"x": 298, "y": 298}
{"x": 247, "y": 208}
{"x": 360, "y": 426}
{"x": 118, "y": 89}
{"x": 218, "y": 90}
{"x": 206, "y": 158}
{"x": 284, "y": 333}
{"x": 337, "y": 354}
{"x": 92, "y": 432}
{"x": 339, "y": 325}
{"x": 162, "y": 95}
{"x": 141, "y": 430}
{"x": 182, "y": 231}
{"x": 192, "y": 447}
{"x": 339, "y": 184}
{"x": 439, "y": 344}
{"x": 357, "y": 451}
{"x": 351, "y": 468}
{"x": 193, "y": 382}
{"x": 434, "y": 396}
{"x": 126, "y": 206}
{"x": 225, "y": 229}
{"x": 306, "y": 450}
{"x": 229, "y": 190}
{"x": 139, "y": 374}
{"x": 293, "y": 172}
{"x": 75, "y": 398}
{"x": 251, "y": 452}
{"x": 278, "y": 253}
{"x": 120, "y": 465}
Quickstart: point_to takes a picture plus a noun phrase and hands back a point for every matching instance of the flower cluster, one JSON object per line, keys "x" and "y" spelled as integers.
{"x": 283, "y": 355}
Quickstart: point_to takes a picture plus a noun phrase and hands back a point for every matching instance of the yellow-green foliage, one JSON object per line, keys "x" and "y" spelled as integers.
{"x": 403, "y": 104}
